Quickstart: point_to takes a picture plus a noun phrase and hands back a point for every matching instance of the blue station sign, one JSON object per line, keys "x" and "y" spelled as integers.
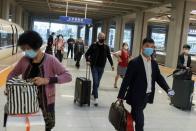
{"x": 76, "y": 20}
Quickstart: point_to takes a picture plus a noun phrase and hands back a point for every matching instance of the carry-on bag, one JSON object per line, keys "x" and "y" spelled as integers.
{"x": 83, "y": 89}
{"x": 183, "y": 94}
{"x": 21, "y": 97}
{"x": 28, "y": 122}
{"x": 117, "y": 116}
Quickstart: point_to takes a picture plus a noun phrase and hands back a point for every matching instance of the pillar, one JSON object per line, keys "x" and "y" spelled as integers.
{"x": 119, "y": 33}
{"x": 5, "y": 9}
{"x": 94, "y": 37}
{"x": 25, "y": 20}
{"x": 178, "y": 28}
{"x": 86, "y": 39}
{"x": 138, "y": 32}
{"x": 106, "y": 29}
{"x": 19, "y": 15}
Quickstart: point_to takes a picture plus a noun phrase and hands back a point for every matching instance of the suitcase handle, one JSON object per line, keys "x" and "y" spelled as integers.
{"x": 88, "y": 72}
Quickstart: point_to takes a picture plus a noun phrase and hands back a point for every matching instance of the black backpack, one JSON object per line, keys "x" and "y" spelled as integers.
{"x": 183, "y": 74}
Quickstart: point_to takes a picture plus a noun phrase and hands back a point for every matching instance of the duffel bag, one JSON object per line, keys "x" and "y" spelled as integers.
{"x": 21, "y": 97}
{"x": 183, "y": 74}
{"x": 117, "y": 116}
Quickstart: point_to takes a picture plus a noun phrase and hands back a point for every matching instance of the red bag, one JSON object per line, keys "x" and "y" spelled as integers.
{"x": 129, "y": 122}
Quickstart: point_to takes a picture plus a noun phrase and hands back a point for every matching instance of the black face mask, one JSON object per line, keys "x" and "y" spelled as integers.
{"x": 101, "y": 40}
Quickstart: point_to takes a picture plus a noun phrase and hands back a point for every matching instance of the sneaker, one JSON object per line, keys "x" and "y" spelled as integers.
{"x": 115, "y": 86}
{"x": 92, "y": 97}
{"x": 96, "y": 102}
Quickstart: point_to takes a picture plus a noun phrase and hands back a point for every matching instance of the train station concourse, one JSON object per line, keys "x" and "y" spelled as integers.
{"x": 97, "y": 65}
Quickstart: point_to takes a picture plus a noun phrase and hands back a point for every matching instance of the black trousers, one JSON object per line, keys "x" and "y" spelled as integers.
{"x": 59, "y": 55}
{"x": 70, "y": 48}
{"x": 138, "y": 115}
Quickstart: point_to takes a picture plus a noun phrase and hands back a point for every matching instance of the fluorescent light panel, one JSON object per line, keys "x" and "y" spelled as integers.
{"x": 193, "y": 12}
{"x": 96, "y": 1}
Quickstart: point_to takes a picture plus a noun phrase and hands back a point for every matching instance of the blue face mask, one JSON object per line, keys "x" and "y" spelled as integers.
{"x": 148, "y": 51}
{"x": 30, "y": 54}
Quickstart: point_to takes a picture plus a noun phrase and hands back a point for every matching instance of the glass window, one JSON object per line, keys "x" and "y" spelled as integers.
{"x": 159, "y": 40}
{"x": 65, "y": 29}
{"x": 99, "y": 30}
{"x": 90, "y": 36}
{"x": 42, "y": 28}
{"x": 82, "y": 32}
{"x": 127, "y": 37}
{"x": 158, "y": 33}
{"x": 192, "y": 42}
{"x": 112, "y": 37}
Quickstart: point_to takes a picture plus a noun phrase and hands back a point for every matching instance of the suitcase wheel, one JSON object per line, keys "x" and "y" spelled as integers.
{"x": 74, "y": 100}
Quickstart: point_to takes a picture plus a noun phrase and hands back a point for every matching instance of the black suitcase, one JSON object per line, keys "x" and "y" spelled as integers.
{"x": 83, "y": 89}
{"x": 183, "y": 93}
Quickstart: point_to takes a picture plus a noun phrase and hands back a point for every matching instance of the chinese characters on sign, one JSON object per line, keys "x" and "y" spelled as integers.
{"x": 75, "y": 20}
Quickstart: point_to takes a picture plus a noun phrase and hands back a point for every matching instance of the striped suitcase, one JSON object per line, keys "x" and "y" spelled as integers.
{"x": 21, "y": 97}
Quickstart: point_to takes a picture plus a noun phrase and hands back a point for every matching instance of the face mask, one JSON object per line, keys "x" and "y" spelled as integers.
{"x": 30, "y": 54}
{"x": 148, "y": 51}
{"x": 101, "y": 40}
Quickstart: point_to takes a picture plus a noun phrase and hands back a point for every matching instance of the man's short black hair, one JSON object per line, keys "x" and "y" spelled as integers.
{"x": 147, "y": 40}
{"x": 52, "y": 33}
{"x": 186, "y": 46}
{"x": 30, "y": 38}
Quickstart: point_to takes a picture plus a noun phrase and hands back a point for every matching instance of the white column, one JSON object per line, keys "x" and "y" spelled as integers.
{"x": 5, "y": 9}
{"x": 19, "y": 15}
{"x": 106, "y": 28}
{"x": 119, "y": 33}
{"x": 177, "y": 35}
{"x": 138, "y": 32}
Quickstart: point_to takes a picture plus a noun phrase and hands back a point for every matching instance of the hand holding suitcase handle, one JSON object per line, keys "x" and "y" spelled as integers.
{"x": 88, "y": 71}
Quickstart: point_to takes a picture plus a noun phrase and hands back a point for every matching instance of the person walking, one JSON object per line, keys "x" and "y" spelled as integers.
{"x": 96, "y": 56}
{"x": 44, "y": 70}
{"x": 50, "y": 44}
{"x": 123, "y": 59}
{"x": 70, "y": 43}
{"x": 78, "y": 51}
{"x": 138, "y": 86}
{"x": 60, "y": 45}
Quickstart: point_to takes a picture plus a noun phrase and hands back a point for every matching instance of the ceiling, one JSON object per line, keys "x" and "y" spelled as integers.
{"x": 97, "y": 9}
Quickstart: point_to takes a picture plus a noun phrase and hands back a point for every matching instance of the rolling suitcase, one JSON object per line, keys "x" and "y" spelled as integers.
{"x": 83, "y": 89}
{"x": 183, "y": 93}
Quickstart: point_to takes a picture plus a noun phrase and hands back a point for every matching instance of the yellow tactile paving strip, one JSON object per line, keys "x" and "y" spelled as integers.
{"x": 3, "y": 75}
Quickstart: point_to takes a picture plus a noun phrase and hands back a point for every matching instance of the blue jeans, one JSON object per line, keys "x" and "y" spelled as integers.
{"x": 97, "y": 73}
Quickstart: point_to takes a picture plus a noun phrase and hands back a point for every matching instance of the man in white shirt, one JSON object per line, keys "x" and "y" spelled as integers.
{"x": 138, "y": 86}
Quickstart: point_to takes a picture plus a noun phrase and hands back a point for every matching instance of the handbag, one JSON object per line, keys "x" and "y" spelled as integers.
{"x": 117, "y": 116}
{"x": 21, "y": 97}
{"x": 183, "y": 74}
{"x": 129, "y": 126}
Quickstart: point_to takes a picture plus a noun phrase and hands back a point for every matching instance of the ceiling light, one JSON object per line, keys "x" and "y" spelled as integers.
{"x": 193, "y": 12}
{"x": 96, "y": 1}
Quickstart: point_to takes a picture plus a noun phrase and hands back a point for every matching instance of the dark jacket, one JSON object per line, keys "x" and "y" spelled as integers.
{"x": 49, "y": 45}
{"x": 180, "y": 64}
{"x": 71, "y": 42}
{"x": 136, "y": 80}
{"x": 93, "y": 53}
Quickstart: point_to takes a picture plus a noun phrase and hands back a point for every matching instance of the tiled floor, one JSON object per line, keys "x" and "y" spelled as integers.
{"x": 69, "y": 117}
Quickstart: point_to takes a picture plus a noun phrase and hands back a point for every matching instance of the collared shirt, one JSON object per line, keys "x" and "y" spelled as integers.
{"x": 185, "y": 60}
{"x": 148, "y": 69}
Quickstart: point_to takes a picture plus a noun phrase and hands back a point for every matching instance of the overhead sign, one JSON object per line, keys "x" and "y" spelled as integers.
{"x": 77, "y": 20}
